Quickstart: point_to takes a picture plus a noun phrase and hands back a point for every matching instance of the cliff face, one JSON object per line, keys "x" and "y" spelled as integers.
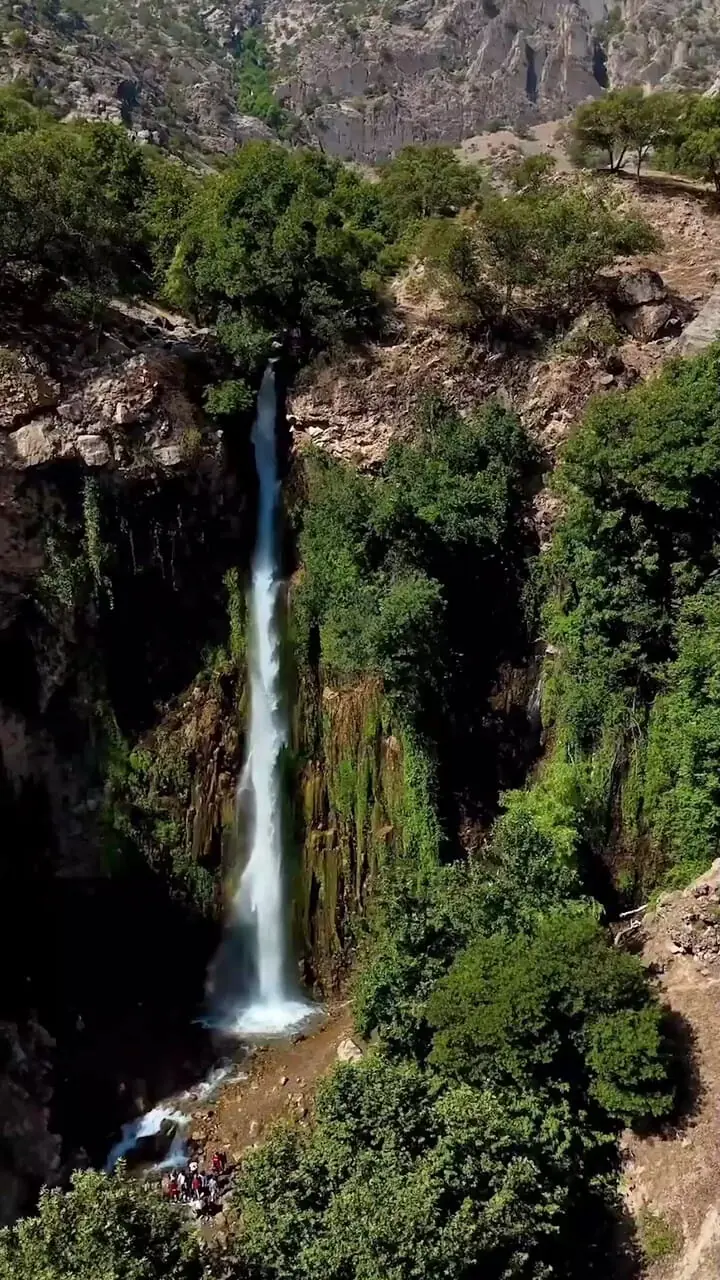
{"x": 667, "y": 45}
{"x": 399, "y": 73}
{"x": 120, "y": 521}
{"x": 365, "y": 79}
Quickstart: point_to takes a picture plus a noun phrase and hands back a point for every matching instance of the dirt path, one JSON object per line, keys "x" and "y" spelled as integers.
{"x": 281, "y": 1081}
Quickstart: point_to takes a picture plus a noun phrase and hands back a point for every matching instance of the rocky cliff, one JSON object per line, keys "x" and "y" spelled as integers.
{"x": 364, "y": 77}
{"x": 122, "y": 513}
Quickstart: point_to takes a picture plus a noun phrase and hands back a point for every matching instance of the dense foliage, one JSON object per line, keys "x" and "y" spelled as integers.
{"x": 281, "y": 242}
{"x": 83, "y": 203}
{"x": 427, "y": 182}
{"x": 111, "y": 1227}
{"x": 622, "y": 122}
{"x": 632, "y": 612}
{"x": 560, "y": 1008}
{"x": 255, "y": 90}
{"x": 389, "y": 561}
{"x": 404, "y": 1176}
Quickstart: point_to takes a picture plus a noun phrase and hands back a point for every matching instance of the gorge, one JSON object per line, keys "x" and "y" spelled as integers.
{"x": 430, "y": 736}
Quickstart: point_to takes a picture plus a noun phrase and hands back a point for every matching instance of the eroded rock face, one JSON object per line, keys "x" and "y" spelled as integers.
{"x": 367, "y": 82}
{"x": 134, "y": 416}
{"x": 437, "y": 70}
{"x": 31, "y": 1153}
{"x": 665, "y": 44}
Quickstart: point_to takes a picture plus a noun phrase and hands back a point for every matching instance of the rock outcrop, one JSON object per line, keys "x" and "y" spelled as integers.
{"x": 120, "y": 520}
{"x": 30, "y": 1151}
{"x": 366, "y": 79}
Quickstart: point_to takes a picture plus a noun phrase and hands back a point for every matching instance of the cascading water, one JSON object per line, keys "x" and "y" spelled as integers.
{"x": 259, "y": 904}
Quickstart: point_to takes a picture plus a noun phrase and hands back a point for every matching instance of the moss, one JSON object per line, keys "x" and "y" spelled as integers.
{"x": 364, "y": 801}
{"x": 660, "y": 1239}
{"x": 169, "y": 799}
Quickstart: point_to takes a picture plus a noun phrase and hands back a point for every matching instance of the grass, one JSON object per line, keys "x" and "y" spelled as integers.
{"x": 660, "y": 1239}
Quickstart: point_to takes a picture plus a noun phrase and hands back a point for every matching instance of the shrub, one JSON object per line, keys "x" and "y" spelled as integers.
{"x": 660, "y": 1239}
{"x": 561, "y": 1008}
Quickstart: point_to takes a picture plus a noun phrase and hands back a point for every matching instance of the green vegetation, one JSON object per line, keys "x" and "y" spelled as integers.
{"x": 681, "y": 130}
{"x": 388, "y": 561}
{"x": 633, "y": 613}
{"x": 255, "y": 91}
{"x": 104, "y": 1226}
{"x": 693, "y": 146}
{"x": 81, "y": 203}
{"x": 495, "y": 995}
{"x": 511, "y": 1041}
{"x": 427, "y": 182}
{"x": 539, "y": 249}
{"x": 659, "y": 1238}
{"x": 623, "y": 121}
{"x": 561, "y": 1007}
{"x": 404, "y": 1175}
{"x": 281, "y": 242}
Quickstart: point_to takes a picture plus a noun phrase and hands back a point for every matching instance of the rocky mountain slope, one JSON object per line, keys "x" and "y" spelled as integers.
{"x": 671, "y": 1179}
{"x": 364, "y": 76}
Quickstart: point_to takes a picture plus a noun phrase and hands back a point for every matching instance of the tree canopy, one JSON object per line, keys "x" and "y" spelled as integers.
{"x": 403, "y": 1176}
{"x": 103, "y": 1228}
{"x": 561, "y": 1007}
{"x": 540, "y": 247}
{"x": 427, "y": 182}
{"x": 624, "y": 121}
{"x": 280, "y": 241}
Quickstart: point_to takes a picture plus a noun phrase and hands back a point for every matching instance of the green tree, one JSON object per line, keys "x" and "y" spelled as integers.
{"x": 280, "y": 241}
{"x": 531, "y": 171}
{"x": 541, "y": 246}
{"x": 556, "y": 1008}
{"x": 427, "y": 182}
{"x": 694, "y": 147}
{"x": 388, "y": 560}
{"x": 622, "y": 121}
{"x": 168, "y": 188}
{"x": 417, "y": 928}
{"x": 401, "y": 1177}
{"x": 641, "y": 483}
{"x": 103, "y": 1228}
{"x": 71, "y": 199}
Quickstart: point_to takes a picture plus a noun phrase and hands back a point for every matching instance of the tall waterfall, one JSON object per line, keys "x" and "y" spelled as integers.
{"x": 259, "y": 904}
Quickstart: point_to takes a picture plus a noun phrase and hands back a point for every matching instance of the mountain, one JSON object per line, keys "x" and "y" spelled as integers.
{"x": 361, "y": 77}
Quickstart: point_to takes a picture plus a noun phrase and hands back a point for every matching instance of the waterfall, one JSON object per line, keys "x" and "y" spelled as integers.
{"x": 259, "y": 904}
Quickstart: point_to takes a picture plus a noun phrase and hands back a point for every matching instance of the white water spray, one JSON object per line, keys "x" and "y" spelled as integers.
{"x": 259, "y": 902}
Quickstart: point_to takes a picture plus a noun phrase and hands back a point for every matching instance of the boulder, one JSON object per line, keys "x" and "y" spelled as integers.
{"x": 169, "y": 455}
{"x": 647, "y": 322}
{"x": 348, "y": 1051}
{"x": 33, "y": 444}
{"x": 94, "y": 451}
{"x": 638, "y": 288}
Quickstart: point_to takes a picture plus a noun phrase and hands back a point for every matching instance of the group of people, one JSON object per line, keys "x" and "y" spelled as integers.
{"x": 200, "y": 1190}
